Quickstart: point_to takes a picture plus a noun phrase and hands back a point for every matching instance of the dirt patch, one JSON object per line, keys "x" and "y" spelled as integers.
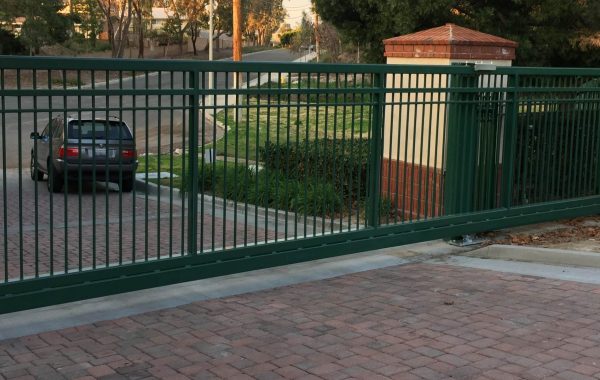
{"x": 579, "y": 234}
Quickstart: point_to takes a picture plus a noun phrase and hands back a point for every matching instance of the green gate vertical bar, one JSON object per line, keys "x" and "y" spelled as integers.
{"x": 596, "y": 123}
{"x": 192, "y": 176}
{"x": 510, "y": 141}
{"x": 375, "y": 151}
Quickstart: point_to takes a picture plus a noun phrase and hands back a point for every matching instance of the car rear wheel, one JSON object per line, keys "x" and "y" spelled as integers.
{"x": 36, "y": 174}
{"x": 55, "y": 180}
{"x": 127, "y": 184}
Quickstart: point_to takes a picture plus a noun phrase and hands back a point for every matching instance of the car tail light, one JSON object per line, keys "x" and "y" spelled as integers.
{"x": 128, "y": 153}
{"x": 70, "y": 152}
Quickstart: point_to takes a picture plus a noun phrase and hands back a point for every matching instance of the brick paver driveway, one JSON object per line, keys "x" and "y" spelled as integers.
{"x": 418, "y": 321}
{"x": 96, "y": 225}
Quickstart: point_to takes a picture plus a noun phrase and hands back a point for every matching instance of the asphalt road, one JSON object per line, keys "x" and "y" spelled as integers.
{"x": 157, "y": 121}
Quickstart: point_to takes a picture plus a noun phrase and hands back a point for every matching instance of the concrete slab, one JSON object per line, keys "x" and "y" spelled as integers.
{"x": 538, "y": 255}
{"x": 565, "y": 273}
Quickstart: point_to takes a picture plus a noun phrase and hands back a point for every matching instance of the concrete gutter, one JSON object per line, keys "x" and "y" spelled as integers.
{"x": 538, "y": 255}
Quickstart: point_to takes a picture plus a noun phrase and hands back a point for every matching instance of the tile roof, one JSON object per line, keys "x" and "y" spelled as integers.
{"x": 450, "y": 34}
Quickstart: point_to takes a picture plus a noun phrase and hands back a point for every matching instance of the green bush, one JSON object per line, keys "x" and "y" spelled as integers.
{"x": 10, "y": 44}
{"x": 268, "y": 188}
{"x": 343, "y": 163}
{"x": 557, "y": 155}
{"x": 287, "y": 38}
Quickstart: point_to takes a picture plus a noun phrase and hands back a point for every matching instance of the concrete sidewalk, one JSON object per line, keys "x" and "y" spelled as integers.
{"x": 435, "y": 319}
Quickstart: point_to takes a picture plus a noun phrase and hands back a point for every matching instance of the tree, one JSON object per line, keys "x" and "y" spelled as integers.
{"x": 196, "y": 16}
{"x": 43, "y": 24}
{"x": 117, "y": 14}
{"x": 141, "y": 10}
{"x": 304, "y": 35}
{"x": 369, "y": 22}
{"x": 330, "y": 42}
{"x": 549, "y": 32}
{"x": 223, "y": 19}
{"x": 90, "y": 17}
{"x": 287, "y": 38}
{"x": 10, "y": 44}
{"x": 175, "y": 25}
{"x": 262, "y": 19}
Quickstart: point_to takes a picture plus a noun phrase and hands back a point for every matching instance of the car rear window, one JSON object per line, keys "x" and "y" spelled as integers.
{"x": 99, "y": 129}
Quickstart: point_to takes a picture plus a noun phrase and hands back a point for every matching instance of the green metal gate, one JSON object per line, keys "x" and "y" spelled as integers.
{"x": 303, "y": 161}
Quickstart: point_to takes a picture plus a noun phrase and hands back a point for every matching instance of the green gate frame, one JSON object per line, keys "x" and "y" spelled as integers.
{"x": 61, "y": 288}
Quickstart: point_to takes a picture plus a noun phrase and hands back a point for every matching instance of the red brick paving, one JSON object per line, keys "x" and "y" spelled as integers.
{"x": 417, "y": 321}
{"x": 117, "y": 221}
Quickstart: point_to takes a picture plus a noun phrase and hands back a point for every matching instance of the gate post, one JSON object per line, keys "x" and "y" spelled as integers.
{"x": 424, "y": 174}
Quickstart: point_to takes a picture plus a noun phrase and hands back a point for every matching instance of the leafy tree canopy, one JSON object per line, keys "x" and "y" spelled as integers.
{"x": 43, "y": 24}
{"x": 549, "y": 32}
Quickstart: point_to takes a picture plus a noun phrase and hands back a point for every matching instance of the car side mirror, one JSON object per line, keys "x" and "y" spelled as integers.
{"x": 34, "y": 136}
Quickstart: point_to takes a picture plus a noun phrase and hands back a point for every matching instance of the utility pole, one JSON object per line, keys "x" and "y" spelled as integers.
{"x": 237, "y": 49}
{"x": 317, "y": 42}
{"x": 211, "y": 28}
{"x": 237, "y": 30}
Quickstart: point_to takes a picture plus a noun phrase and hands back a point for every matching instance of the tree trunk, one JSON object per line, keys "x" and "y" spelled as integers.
{"x": 140, "y": 37}
{"x": 194, "y": 37}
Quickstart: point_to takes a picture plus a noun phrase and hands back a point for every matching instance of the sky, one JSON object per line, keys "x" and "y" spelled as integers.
{"x": 294, "y": 9}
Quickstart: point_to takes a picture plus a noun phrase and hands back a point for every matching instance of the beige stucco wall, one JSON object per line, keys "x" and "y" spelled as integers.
{"x": 415, "y": 122}
{"x": 413, "y": 130}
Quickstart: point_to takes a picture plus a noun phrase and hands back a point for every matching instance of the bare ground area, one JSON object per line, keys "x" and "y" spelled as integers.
{"x": 579, "y": 234}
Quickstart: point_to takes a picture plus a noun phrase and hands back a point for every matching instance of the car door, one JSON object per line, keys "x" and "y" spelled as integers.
{"x": 57, "y": 135}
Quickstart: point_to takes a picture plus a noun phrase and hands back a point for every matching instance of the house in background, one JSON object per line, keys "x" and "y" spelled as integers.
{"x": 13, "y": 26}
{"x": 158, "y": 19}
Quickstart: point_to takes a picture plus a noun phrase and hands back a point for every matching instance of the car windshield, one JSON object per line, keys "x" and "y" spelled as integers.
{"x": 99, "y": 129}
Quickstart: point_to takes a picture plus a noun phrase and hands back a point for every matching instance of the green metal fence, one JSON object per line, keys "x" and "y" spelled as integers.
{"x": 301, "y": 161}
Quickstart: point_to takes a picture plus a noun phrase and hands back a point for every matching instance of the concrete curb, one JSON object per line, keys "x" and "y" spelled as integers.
{"x": 264, "y": 214}
{"x": 538, "y": 255}
{"x": 269, "y": 215}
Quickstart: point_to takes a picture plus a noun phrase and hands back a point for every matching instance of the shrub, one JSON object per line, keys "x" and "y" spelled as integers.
{"x": 557, "y": 145}
{"x": 287, "y": 37}
{"x": 10, "y": 44}
{"x": 342, "y": 162}
{"x": 268, "y": 188}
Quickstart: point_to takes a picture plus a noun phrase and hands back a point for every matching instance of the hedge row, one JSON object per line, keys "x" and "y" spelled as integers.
{"x": 269, "y": 188}
{"x": 341, "y": 162}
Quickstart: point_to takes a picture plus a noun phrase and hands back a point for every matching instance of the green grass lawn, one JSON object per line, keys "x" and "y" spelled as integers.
{"x": 162, "y": 163}
{"x": 254, "y": 49}
{"x": 276, "y": 122}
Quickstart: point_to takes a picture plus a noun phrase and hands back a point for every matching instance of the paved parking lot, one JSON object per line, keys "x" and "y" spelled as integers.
{"x": 418, "y": 321}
